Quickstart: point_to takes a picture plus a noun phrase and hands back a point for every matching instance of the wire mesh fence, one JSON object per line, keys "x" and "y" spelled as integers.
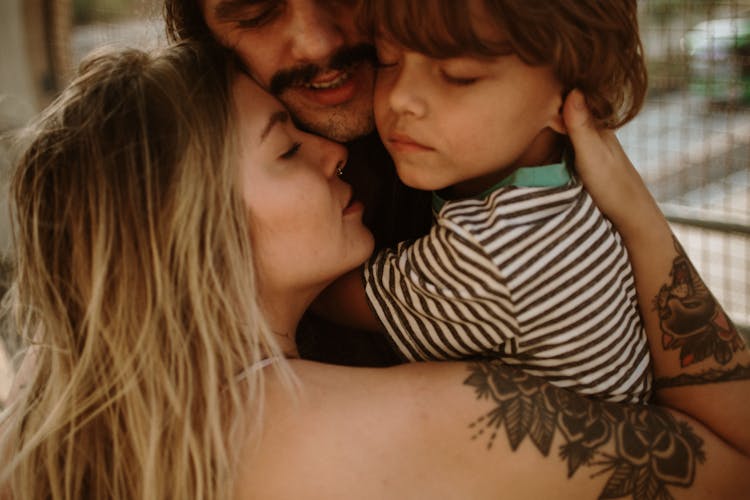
{"x": 691, "y": 142}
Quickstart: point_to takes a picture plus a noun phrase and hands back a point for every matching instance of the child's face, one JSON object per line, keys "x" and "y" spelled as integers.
{"x": 465, "y": 122}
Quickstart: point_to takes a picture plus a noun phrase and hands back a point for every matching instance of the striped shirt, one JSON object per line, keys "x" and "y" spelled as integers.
{"x": 535, "y": 277}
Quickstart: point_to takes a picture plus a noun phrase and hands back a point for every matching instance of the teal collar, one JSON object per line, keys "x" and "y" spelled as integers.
{"x": 549, "y": 176}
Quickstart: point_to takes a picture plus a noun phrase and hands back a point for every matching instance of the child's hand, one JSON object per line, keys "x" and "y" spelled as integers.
{"x": 604, "y": 168}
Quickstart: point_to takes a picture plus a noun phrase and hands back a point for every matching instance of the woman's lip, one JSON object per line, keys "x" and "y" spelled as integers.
{"x": 349, "y": 200}
{"x": 354, "y": 206}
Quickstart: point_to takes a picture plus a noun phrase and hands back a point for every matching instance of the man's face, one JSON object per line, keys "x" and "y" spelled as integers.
{"x": 308, "y": 53}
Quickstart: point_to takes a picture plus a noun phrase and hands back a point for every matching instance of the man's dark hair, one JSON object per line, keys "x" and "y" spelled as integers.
{"x": 184, "y": 20}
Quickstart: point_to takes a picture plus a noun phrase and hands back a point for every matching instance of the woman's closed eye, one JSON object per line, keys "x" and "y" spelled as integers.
{"x": 289, "y": 153}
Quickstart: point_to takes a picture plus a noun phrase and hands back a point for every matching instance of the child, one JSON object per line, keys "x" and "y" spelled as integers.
{"x": 520, "y": 264}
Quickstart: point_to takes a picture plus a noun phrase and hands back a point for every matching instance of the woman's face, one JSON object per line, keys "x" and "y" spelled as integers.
{"x": 306, "y": 228}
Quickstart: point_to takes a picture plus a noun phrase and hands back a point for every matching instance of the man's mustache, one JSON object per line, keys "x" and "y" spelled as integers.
{"x": 341, "y": 60}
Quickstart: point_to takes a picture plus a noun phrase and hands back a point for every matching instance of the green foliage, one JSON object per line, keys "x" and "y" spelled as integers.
{"x": 662, "y": 11}
{"x": 89, "y": 11}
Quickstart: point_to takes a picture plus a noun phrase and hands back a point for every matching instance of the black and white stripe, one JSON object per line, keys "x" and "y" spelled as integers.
{"x": 536, "y": 277}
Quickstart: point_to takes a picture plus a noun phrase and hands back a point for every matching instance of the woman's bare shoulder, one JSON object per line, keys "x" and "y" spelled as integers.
{"x": 348, "y": 433}
{"x": 467, "y": 430}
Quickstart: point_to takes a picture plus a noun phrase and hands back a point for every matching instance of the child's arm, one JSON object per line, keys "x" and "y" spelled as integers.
{"x": 344, "y": 302}
{"x": 693, "y": 343}
{"x": 442, "y": 282}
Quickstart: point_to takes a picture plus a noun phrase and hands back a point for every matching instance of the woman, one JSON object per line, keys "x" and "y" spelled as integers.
{"x": 172, "y": 225}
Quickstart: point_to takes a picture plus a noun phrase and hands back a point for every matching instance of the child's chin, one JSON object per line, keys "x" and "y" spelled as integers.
{"x": 419, "y": 182}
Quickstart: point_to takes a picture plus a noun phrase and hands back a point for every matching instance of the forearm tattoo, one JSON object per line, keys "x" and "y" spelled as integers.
{"x": 652, "y": 450}
{"x": 710, "y": 376}
{"x": 693, "y": 323}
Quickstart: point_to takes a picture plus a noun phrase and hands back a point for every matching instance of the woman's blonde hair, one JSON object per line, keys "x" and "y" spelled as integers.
{"x": 135, "y": 285}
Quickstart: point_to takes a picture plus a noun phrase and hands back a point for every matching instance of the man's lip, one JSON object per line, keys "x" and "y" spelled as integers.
{"x": 406, "y": 143}
{"x": 329, "y": 76}
{"x": 352, "y": 81}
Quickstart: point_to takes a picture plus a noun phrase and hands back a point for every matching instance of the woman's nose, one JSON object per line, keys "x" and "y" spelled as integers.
{"x": 333, "y": 157}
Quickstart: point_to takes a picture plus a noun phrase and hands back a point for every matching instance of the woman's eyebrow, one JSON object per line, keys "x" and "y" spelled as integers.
{"x": 277, "y": 117}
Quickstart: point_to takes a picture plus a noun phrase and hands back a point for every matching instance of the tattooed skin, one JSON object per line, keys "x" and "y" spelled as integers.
{"x": 711, "y": 376}
{"x": 691, "y": 320}
{"x": 653, "y": 451}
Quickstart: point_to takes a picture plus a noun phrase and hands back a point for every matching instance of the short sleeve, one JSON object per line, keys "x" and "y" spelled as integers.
{"x": 440, "y": 297}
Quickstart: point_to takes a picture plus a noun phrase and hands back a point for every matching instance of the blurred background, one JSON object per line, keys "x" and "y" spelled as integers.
{"x": 691, "y": 142}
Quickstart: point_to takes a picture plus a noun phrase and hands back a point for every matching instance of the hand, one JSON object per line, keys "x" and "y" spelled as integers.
{"x": 604, "y": 168}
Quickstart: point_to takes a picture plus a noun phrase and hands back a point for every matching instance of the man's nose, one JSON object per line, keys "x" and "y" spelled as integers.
{"x": 316, "y": 33}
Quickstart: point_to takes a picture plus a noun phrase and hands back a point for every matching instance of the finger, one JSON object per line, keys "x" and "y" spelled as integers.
{"x": 589, "y": 141}
{"x": 576, "y": 114}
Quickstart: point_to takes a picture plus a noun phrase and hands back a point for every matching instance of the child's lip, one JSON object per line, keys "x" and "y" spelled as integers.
{"x": 400, "y": 140}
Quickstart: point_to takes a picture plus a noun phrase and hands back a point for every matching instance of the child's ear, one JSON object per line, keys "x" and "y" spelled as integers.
{"x": 557, "y": 123}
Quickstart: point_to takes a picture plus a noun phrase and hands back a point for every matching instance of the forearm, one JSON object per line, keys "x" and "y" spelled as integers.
{"x": 692, "y": 340}
{"x": 694, "y": 345}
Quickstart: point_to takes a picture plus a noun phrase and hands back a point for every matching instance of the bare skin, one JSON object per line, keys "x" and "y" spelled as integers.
{"x": 385, "y": 433}
{"x": 620, "y": 193}
{"x": 482, "y": 430}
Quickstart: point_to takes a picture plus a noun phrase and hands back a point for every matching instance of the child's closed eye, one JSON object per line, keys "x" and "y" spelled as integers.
{"x": 458, "y": 80}
{"x": 385, "y": 64}
{"x": 388, "y": 54}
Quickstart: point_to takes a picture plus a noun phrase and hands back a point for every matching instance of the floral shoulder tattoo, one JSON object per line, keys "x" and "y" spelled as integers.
{"x": 653, "y": 451}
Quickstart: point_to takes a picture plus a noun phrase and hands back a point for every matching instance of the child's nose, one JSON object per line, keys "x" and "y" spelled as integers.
{"x": 405, "y": 96}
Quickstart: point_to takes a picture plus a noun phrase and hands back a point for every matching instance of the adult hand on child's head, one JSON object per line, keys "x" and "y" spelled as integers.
{"x": 601, "y": 163}
{"x": 600, "y": 145}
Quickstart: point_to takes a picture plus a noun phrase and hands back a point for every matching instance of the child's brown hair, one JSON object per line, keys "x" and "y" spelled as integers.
{"x": 592, "y": 45}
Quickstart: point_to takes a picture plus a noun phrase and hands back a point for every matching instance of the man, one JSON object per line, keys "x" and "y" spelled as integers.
{"x": 308, "y": 53}
{"x": 312, "y": 57}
